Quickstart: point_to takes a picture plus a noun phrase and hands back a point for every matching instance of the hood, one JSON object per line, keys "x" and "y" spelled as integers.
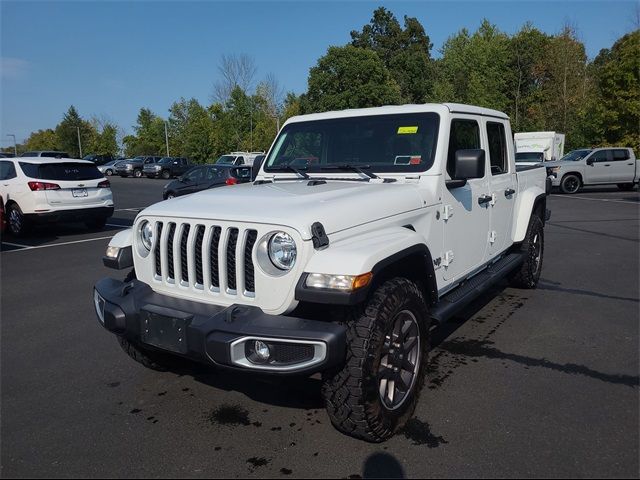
{"x": 338, "y": 205}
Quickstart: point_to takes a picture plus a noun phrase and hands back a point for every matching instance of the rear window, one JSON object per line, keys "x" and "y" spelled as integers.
{"x": 61, "y": 171}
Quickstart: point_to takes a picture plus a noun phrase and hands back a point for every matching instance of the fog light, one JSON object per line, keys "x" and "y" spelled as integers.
{"x": 112, "y": 252}
{"x": 262, "y": 351}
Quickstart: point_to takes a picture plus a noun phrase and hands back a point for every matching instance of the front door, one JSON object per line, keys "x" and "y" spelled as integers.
{"x": 503, "y": 186}
{"x": 600, "y": 170}
{"x": 466, "y": 221}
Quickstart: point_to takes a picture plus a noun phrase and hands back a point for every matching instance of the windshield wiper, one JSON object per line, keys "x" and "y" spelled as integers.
{"x": 294, "y": 170}
{"x": 355, "y": 168}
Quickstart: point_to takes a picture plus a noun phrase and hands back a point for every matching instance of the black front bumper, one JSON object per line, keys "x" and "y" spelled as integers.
{"x": 75, "y": 215}
{"x": 210, "y": 333}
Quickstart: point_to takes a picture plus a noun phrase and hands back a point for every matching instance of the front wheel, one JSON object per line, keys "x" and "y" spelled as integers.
{"x": 108, "y": 172}
{"x": 377, "y": 390}
{"x": 570, "y": 183}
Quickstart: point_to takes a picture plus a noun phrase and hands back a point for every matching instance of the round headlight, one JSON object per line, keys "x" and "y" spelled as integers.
{"x": 146, "y": 234}
{"x": 282, "y": 251}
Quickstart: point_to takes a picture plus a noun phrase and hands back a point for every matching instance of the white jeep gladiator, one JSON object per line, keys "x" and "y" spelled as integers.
{"x": 363, "y": 229}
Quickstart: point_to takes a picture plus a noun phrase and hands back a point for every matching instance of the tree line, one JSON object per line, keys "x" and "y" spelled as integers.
{"x": 543, "y": 81}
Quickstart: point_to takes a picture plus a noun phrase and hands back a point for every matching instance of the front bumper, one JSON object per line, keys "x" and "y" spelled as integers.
{"x": 217, "y": 335}
{"x": 152, "y": 173}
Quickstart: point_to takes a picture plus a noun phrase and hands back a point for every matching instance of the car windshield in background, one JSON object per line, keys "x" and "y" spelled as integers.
{"x": 226, "y": 160}
{"x": 575, "y": 155}
{"x": 529, "y": 157}
{"x": 165, "y": 160}
{"x": 386, "y": 143}
{"x": 61, "y": 171}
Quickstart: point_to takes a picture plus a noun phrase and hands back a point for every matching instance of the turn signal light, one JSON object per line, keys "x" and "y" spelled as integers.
{"x": 104, "y": 184}
{"x": 39, "y": 186}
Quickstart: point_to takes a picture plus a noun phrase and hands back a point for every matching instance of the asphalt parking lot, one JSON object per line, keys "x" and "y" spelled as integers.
{"x": 540, "y": 383}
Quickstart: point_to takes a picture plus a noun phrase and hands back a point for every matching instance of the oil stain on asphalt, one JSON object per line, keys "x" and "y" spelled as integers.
{"x": 230, "y": 415}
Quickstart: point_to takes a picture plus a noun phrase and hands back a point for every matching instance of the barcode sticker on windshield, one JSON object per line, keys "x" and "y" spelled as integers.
{"x": 406, "y": 130}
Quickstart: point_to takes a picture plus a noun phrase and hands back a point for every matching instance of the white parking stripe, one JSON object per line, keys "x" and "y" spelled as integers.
{"x": 594, "y": 199}
{"x": 26, "y": 247}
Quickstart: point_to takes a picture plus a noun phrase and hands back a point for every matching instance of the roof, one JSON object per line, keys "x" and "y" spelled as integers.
{"x": 399, "y": 109}
{"x": 51, "y": 160}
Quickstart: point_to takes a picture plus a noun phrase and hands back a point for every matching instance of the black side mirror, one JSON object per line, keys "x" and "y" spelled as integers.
{"x": 468, "y": 164}
{"x": 589, "y": 161}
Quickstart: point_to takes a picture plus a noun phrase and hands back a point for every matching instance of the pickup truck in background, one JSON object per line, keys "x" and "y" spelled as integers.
{"x": 338, "y": 266}
{"x": 167, "y": 167}
{"x": 598, "y": 166}
{"x": 534, "y": 147}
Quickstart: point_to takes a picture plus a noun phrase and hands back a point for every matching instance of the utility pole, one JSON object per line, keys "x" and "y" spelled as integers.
{"x": 79, "y": 141}
{"x": 166, "y": 137}
{"x": 15, "y": 147}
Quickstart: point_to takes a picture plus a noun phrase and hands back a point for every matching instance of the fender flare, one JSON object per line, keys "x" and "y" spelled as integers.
{"x": 400, "y": 252}
{"x": 529, "y": 202}
{"x": 123, "y": 241}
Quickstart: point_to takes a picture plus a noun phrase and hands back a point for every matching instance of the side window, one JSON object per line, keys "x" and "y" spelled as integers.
{"x": 497, "y": 148}
{"x": 600, "y": 156}
{"x": 464, "y": 135}
{"x": 239, "y": 161}
{"x": 7, "y": 170}
{"x": 620, "y": 155}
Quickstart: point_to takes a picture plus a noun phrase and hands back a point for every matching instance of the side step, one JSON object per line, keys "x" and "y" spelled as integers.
{"x": 460, "y": 297}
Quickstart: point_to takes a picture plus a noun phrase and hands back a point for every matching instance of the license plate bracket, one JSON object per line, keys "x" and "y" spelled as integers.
{"x": 164, "y": 328}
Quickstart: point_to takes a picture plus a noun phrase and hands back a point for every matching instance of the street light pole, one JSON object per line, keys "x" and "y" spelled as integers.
{"x": 79, "y": 142}
{"x": 15, "y": 147}
{"x": 166, "y": 137}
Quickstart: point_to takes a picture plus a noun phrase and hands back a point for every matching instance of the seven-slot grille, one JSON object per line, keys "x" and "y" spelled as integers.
{"x": 212, "y": 258}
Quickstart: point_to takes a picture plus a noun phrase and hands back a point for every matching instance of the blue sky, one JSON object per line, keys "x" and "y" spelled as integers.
{"x": 111, "y": 58}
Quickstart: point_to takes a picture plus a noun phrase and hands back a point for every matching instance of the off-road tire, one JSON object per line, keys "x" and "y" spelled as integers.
{"x": 570, "y": 184}
{"x": 528, "y": 274}
{"x": 626, "y": 187}
{"x": 153, "y": 360}
{"x": 352, "y": 394}
{"x": 17, "y": 223}
{"x": 166, "y": 174}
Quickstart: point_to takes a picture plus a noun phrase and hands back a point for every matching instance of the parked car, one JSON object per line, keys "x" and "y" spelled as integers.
{"x": 109, "y": 168}
{"x": 598, "y": 166}
{"x": 204, "y": 177}
{"x": 3, "y": 223}
{"x": 46, "y": 153}
{"x": 99, "y": 159}
{"x": 134, "y": 166}
{"x": 389, "y": 232}
{"x": 7, "y": 155}
{"x": 238, "y": 158}
{"x": 167, "y": 167}
{"x": 40, "y": 190}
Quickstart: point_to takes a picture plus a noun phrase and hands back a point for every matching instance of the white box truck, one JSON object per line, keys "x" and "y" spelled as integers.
{"x": 534, "y": 147}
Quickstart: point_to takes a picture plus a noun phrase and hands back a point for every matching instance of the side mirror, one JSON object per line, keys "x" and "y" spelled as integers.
{"x": 468, "y": 164}
{"x": 590, "y": 161}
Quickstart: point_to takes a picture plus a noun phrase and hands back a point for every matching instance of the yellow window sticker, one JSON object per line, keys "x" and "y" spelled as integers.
{"x": 406, "y": 130}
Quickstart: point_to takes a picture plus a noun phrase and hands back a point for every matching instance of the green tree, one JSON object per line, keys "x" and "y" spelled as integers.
{"x": 67, "y": 133}
{"x": 106, "y": 142}
{"x": 41, "y": 140}
{"x": 149, "y": 138}
{"x": 190, "y": 126}
{"x": 406, "y": 52}
{"x": 349, "y": 77}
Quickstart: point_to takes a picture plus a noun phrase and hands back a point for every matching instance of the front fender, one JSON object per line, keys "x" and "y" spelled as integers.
{"x": 359, "y": 254}
{"x": 524, "y": 209}
{"x": 122, "y": 239}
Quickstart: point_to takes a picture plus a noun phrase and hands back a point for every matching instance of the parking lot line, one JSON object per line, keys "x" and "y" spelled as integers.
{"x": 594, "y": 199}
{"x": 27, "y": 247}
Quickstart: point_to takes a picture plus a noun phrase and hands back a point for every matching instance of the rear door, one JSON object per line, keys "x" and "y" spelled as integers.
{"x": 600, "y": 170}
{"x": 623, "y": 168}
{"x": 466, "y": 222}
{"x": 503, "y": 183}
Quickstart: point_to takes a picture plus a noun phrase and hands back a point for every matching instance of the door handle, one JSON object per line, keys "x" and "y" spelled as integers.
{"x": 484, "y": 199}
{"x": 607, "y": 165}
{"x": 508, "y": 192}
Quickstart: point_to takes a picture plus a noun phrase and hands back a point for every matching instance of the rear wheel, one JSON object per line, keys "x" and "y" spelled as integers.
{"x": 378, "y": 387}
{"x": 626, "y": 186}
{"x": 137, "y": 173}
{"x": 533, "y": 249}
{"x": 108, "y": 172}
{"x": 570, "y": 183}
{"x": 166, "y": 174}
{"x": 18, "y": 224}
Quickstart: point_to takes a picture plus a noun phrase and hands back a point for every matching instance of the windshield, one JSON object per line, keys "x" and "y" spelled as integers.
{"x": 575, "y": 155}
{"x": 529, "y": 157}
{"x": 61, "y": 171}
{"x": 226, "y": 160}
{"x": 386, "y": 143}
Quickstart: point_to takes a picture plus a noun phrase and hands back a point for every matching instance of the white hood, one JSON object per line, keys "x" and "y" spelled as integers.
{"x": 338, "y": 205}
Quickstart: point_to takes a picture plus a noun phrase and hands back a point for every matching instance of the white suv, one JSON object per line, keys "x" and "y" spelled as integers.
{"x": 43, "y": 190}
